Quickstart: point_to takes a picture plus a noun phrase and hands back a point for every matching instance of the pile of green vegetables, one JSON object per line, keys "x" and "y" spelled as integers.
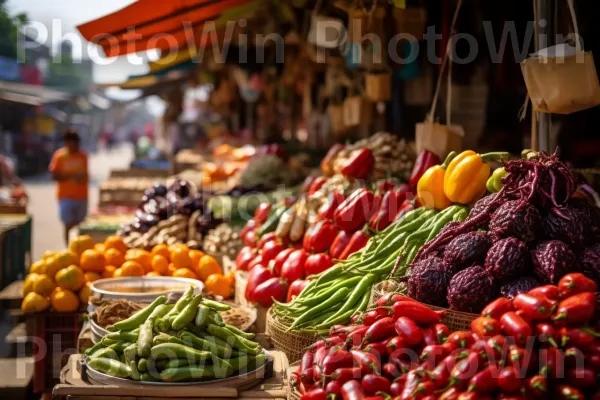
{"x": 338, "y": 293}
{"x": 172, "y": 343}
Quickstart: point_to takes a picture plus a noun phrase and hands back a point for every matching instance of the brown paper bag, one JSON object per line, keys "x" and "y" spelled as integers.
{"x": 562, "y": 84}
{"x": 411, "y": 21}
{"x": 336, "y": 119}
{"x": 378, "y": 86}
{"x": 357, "y": 111}
{"x": 439, "y": 139}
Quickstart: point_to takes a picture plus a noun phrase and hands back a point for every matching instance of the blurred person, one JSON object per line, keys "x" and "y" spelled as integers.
{"x": 69, "y": 168}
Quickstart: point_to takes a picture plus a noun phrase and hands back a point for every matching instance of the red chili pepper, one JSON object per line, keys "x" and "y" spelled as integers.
{"x": 461, "y": 339}
{"x": 465, "y": 369}
{"x": 307, "y": 238}
{"x": 409, "y": 331}
{"x": 339, "y": 244}
{"x": 522, "y": 359}
{"x": 244, "y": 258}
{"x": 316, "y": 184}
{"x": 343, "y": 375}
{"x": 317, "y": 263}
{"x": 368, "y": 363}
{"x": 381, "y": 329}
{"x": 359, "y": 165}
{"x": 536, "y": 307}
{"x": 550, "y": 291}
{"x": 565, "y": 392}
{"x": 307, "y": 361}
{"x": 320, "y": 354}
{"x": 358, "y": 240}
{"x": 419, "y": 313}
{"x": 250, "y": 238}
{"x": 582, "y": 378}
{"x": 387, "y": 211}
{"x": 412, "y": 381}
{"x": 372, "y": 384}
{"x": 553, "y": 361}
{"x": 497, "y": 308}
{"x": 484, "y": 381}
{"x": 322, "y": 236}
{"x": 474, "y": 396}
{"x": 386, "y": 185}
{"x": 547, "y": 333}
{"x": 485, "y": 351}
{"x": 352, "y": 390}
{"x": 356, "y": 338}
{"x": 574, "y": 357}
{"x": 428, "y": 336}
{"x": 450, "y": 394}
{"x": 485, "y": 327}
{"x": 509, "y": 380}
{"x": 295, "y": 289}
{"x": 515, "y": 326}
{"x": 390, "y": 370}
{"x": 267, "y": 237}
{"x": 315, "y": 394}
{"x": 355, "y": 210}
{"x": 440, "y": 376}
{"x": 433, "y": 354}
{"x": 377, "y": 348}
{"x": 423, "y": 390}
{"x": 335, "y": 360}
{"x": 576, "y": 283}
{"x": 333, "y": 388}
{"x": 262, "y": 213}
{"x": 327, "y": 210}
{"x": 536, "y": 387}
{"x": 394, "y": 344}
{"x": 577, "y": 309}
{"x": 592, "y": 360}
{"x": 580, "y": 338}
{"x": 424, "y": 161}
{"x": 441, "y": 333}
{"x": 375, "y": 315}
{"x": 499, "y": 344}
{"x": 308, "y": 376}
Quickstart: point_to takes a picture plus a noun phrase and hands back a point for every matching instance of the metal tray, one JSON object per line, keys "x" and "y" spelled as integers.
{"x": 260, "y": 373}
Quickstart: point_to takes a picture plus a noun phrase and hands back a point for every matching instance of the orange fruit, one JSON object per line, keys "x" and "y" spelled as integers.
{"x": 219, "y": 285}
{"x": 66, "y": 258}
{"x": 81, "y": 244}
{"x": 153, "y": 273}
{"x": 109, "y": 271}
{"x": 143, "y": 257}
{"x": 208, "y": 266}
{"x": 92, "y": 261}
{"x": 180, "y": 246}
{"x": 114, "y": 257}
{"x": 34, "y": 302}
{"x": 132, "y": 268}
{"x": 64, "y": 301}
{"x": 92, "y": 276}
{"x": 84, "y": 294}
{"x": 160, "y": 265}
{"x": 184, "y": 273}
{"x": 99, "y": 247}
{"x": 180, "y": 257}
{"x": 171, "y": 270}
{"x": 28, "y": 283}
{"x": 53, "y": 265}
{"x": 38, "y": 267}
{"x": 43, "y": 285}
{"x": 70, "y": 278}
{"x": 115, "y": 242}
{"x": 47, "y": 254}
{"x": 231, "y": 278}
{"x": 195, "y": 256}
{"x": 118, "y": 273}
{"x": 161, "y": 250}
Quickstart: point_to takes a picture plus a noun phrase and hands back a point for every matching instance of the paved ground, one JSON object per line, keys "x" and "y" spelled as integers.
{"x": 47, "y": 229}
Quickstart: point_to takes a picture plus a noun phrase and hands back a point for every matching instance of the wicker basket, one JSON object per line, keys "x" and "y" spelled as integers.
{"x": 455, "y": 320}
{"x": 291, "y": 343}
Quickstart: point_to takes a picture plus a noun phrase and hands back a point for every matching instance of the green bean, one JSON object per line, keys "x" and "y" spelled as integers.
{"x": 146, "y": 377}
{"x": 363, "y": 286}
{"x": 138, "y": 318}
{"x": 236, "y": 341}
{"x": 173, "y": 350}
{"x": 257, "y": 362}
{"x": 321, "y": 308}
{"x": 142, "y": 365}
{"x": 240, "y": 332}
{"x": 144, "y": 341}
{"x": 362, "y": 306}
{"x": 200, "y": 344}
{"x": 213, "y": 339}
{"x": 165, "y": 338}
{"x": 215, "y": 305}
{"x": 160, "y": 311}
{"x": 330, "y": 292}
{"x": 106, "y": 352}
{"x": 94, "y": 348}
{"x": 188, "y": 314}
{"x": 183, "y": 301}
{"x": 443, "y": 222}
{"x": 177, "y": 363}
{"x": 121, "y": 336}
{"x": 119, "y": 347}
{"x": 214, "y": 318}
{"x": 201, "y": 315}
{"x": 130, "y": 353}
{"x": 318, "y": 320}
{"x": 186, "y": 373}
{"x": 110, "y": 367}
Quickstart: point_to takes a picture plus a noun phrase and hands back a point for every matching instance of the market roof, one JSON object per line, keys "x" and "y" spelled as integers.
{"x": 149, "y": 24}
{"x": 34, "y": 95}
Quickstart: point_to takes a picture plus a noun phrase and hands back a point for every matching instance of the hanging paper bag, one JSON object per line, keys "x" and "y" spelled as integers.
{"x": 378, "y": 86}
{"x": 336, "y": 119}
{"x": 357, "y": 111}
{"x": 411, "y": 21}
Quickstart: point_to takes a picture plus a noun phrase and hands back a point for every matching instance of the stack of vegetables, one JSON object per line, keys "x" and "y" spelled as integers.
{"x": 543, "y": 344}
{"x": 533, "y": 231}
{"x": 187, "y": 341}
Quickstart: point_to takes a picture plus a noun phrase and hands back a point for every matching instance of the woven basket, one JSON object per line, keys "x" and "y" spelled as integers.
{"x": 454, "y": 320}
{"x": 291, "y": 343}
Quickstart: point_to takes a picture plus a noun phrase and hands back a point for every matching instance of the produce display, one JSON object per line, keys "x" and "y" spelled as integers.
{"x": 533, "y": 230}
{"x": 169, "y": 215}
{"x": 223, "y": 240}
{"x": 185, "y": 341}
{"x": 542, "y": 344}
{"x": 60, "y": 280}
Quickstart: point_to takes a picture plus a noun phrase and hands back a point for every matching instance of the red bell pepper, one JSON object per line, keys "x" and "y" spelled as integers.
{"x": 404, "y": 192}
{"x": 424, "y": 161}
{"x": 316, "y": 185}
{"x": 355, "y": 211}
{"x": 322, "y": 236}
{"x": 359, "y": 165}
{"x": 327, "y": 162}
{"x": 327, "y": 210}
{"x": 339, "y": 244}
{"x": 387, "y": 211}
{"x": 358, "y": 240}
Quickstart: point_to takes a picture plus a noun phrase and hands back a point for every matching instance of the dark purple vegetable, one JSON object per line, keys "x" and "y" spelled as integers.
{"x": 467, "y": 249}
{"x": 159, "y": 189}
{"x": 471, "y": 289}
{"x": 180, "y": 187}
{"x": 428, "y": 281}
{"x": 590, "y": 214}
{"x": 481, "y": 207}
{"x": 516, "y": 219}
{"x": 589, "y": 262}
{"x": 507, "y": 259}
{"x": 567, "y": 225}
{"x": 552, "y": 260}
{"x": 520, "y": 285}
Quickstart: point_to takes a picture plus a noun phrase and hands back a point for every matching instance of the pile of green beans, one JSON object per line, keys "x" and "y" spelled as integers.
{"x": 187, "y": 341}
{"x": 335, "y": 295}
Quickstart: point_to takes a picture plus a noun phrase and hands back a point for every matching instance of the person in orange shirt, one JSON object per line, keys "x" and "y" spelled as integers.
{"x": 69, "y": 168}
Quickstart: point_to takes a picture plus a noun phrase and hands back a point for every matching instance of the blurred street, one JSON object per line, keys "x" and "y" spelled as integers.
{"x": 47, "y": 229}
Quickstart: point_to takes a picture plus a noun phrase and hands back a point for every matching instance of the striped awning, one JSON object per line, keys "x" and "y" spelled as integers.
{"x": 165, "y": 25}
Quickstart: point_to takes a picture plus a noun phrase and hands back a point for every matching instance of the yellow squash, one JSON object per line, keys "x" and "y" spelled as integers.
{"x": 466, "y": 176}
{"x": 430, "y": 188}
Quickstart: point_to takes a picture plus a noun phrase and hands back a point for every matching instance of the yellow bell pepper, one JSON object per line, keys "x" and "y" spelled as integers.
{"x": 430, "y": 188}
{"x": 466, "y": 176}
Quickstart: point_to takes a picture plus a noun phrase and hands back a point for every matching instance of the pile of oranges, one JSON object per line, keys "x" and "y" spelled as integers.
{"x": 61, "y": 280}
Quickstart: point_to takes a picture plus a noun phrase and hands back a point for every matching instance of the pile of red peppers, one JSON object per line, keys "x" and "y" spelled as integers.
{"x": 543, "y": 344}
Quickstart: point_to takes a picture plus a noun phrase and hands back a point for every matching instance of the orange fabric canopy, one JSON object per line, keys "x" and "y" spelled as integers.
{"x": 151, "y": 24}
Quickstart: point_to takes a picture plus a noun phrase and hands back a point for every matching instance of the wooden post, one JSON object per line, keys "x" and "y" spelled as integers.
{"x": 545, "y": 37}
